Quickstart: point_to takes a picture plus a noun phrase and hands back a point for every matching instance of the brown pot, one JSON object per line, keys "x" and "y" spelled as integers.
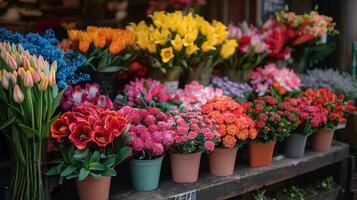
{"x": 185, "y": 167}
{"x": 94, "y": 188}
{"x": 322, "y": 139}
{"x": 260, "y": 154}
{"x": 222, "y": 161}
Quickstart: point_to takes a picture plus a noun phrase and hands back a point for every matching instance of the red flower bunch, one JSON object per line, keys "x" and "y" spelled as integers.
{"x": 331, "y": 105}
{"x": 151, "y": 132}
{"x": 89, "y": 125}
{"x": 233, "y": 124}
{"x": 271, "y": 120}
{"x": 310, "y": 116}
{"x": 78, "y": 95}
{"x": 193, "y": 131}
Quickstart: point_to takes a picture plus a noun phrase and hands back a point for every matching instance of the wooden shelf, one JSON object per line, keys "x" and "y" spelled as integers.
{"x": 244, "y": 180}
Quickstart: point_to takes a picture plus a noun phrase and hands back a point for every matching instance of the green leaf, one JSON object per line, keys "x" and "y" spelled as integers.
{"x": 109, "y": 172}
{"x": 7, "y": 123}
{"x": 184, "y": 63}
{"x": 109, "y": 162}
{"x": 52, "y": 171}
{"x": 30, "y": 132}
{"x": 95, "y": 157}
{"x": 46, "y": 129}
{"x": 96, "y": 166}
{"x": 80, "y": 154}
{"x": 111, "y": 69}
{"x": 122, "y": 154}
{"x": 69, "y": 170}
{"x": 72, "y": 176}
{"x": 83, "y": 173}
{"x": 55, "y": 103}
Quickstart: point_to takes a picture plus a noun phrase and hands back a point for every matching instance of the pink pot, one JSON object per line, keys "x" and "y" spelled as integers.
{"x": 222, "y": 161}
{"x": 322, "y": 139}
{"x": 185, "y": 167}
{"x": 94, "y": 188}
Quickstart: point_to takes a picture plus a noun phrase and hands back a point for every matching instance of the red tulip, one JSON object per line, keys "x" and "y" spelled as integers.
{"x": 81, "y": 134}
{"x": 115, "y": 125}
{"x": 102, "y": 137}
{"x": 59, "y": 129}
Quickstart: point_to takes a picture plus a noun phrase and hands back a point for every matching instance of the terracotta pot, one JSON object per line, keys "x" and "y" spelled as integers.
{"x": 260, "y": 154}
{"x": 322, "y": 139}
{"x": 94, "y": 188}
{"x": 185, "y": 167}
{"x": 222, "y": 161}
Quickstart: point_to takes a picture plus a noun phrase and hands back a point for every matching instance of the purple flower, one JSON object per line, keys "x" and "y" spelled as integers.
{"x": 239, "y": 91}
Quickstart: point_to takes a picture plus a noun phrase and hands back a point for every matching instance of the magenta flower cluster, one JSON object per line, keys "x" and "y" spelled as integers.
{"x": 89, "y": 94}
{"x": 194, "y": 132}
{"x": 152, "y": 134}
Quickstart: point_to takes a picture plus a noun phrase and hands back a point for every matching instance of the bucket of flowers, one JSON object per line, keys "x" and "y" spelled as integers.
{"x": 235, "y": 129}
{"x": 92, "y": 141}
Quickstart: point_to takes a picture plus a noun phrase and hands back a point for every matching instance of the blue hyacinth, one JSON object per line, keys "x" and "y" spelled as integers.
{"x": 46, "y": 46}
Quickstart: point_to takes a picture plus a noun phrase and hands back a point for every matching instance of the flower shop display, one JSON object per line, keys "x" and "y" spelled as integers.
{"x": 197, "y": 94}
{"x": 29, "y": 96}
{"x": 238, "y": 91}
{"x": 235, "y": 129}
{"x": 174, "y": 41}
{"x": 46, "y": 46}
{"x": 273, "y": 122}
{"x": 152, "y": 134}
{"x": 252, "y": 51}
{"x": 90, "y": 93}
{"x": 335, "y": 108}
{"x": 142, "y": 93}
{"x": 309, "y": 120}
{"x": 107, "y": 52}
{"x": 282, "y": 81}
{"x": 172, "y": 5}
{"x": 92, "y": 141}
{"x": 194, "y": 134}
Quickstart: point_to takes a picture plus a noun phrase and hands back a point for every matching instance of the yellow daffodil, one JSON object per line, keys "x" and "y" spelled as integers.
{"x": 190, "y": 38}
{"x": 167, "y": 54}
{"x": 177, "y": 43}
{"x": 228, "y": 48}
{"x": 191, "y": 49}
{"x": 151, "y": 47}
{"x": 207, "y": 46}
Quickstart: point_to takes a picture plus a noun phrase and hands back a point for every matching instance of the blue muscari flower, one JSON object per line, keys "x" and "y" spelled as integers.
{"x": 46, "y": 46}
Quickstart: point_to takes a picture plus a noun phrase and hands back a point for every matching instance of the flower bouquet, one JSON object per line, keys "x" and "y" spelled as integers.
{"x": 142, "y": 93}
{"x": 274, "y": 81}
{"x": 92, "y": 141}
{"x": 90, "y": 93}
{"x": 29, "y": 97}
{"x": 234, "y": 127}
{"x": 107, "y": 51}
{"x": 197, "y": 94}
{"x": 174, "y": 41}
{"x": 335, "y": 108}
{"x": 152, "y": 135}
{"x": 194, "y": 133}
{"x": 238, "y": 91}
{"x": 310, "y": 118}
{"x": 272, "y": 122}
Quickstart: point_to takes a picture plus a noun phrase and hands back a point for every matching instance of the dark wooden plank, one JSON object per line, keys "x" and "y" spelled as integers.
{"x": 245, "y": 179}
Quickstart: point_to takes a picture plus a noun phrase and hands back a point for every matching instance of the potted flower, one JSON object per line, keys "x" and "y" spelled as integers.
{"x": 234, "y": 127}
{"x": 152, "y": 135}
{"x": 295, "y": 192}
{"x": 310, "y": 118}
{"x": 335, "y": 108}
{"x": 238, "y": 91}
{"x": 107, "y": 52}
{"x": 174, "y": 41}
{"x": 273, "y": 123}
{"x": 29, "y": 97}
{"x": 194, "y": 134}
{"x": 327, "y": 189}
{"x": 92, "y": 141}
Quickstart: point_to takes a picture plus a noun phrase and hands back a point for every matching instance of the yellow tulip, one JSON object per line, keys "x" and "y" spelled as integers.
{"x": 191, "y": 49}
{"x": 167, "y": 54}
{"x": 177, "y": 43}
{"x": 151, "y": 47}
{"x": 190, "y": 38}
{"x": 28, "y": 81}
{"x": 18, "y": 95}
{"x": 44, "y": 83}
{"x": 52, "y": 78}
{"x": 207, "y": 46}
{"x": 228, "y": 48}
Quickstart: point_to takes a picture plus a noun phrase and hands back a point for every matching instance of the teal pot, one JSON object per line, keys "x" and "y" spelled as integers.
{"x": 295, "y": 146}
{"x": 145, "y": 174}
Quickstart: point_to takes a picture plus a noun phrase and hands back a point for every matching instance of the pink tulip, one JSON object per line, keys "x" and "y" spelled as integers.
{"x": 18, "y": 95}
{"x": 5, "y": 79}
{"x": 28, "y": 81}
{"x": 35, "y": 76}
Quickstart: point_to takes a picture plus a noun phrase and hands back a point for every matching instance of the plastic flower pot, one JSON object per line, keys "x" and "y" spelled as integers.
{"x": 295, "y": 146}
{"x": 145, "y": 174}
{"x": 94, "y": 188}
{"x": 260, "y": 154}
{"x": 322, "y": 140}
{"x": 185, "y": 167}
{"x": 222, "y": 161}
